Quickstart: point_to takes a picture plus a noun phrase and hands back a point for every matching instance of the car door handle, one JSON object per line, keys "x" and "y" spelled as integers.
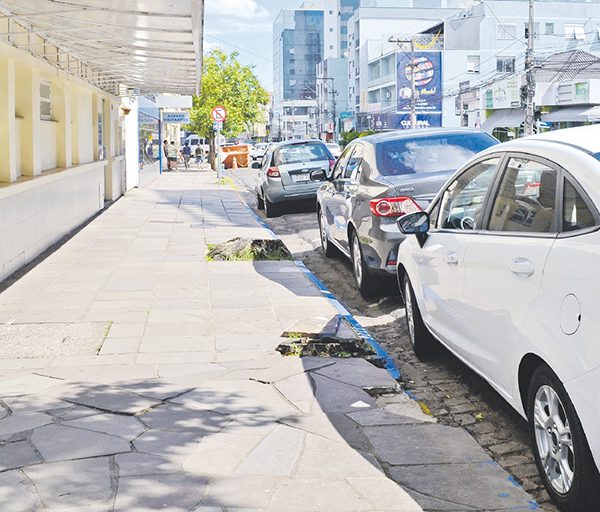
{"x": 451, "y": 258}
{"x": 522, "y": 267}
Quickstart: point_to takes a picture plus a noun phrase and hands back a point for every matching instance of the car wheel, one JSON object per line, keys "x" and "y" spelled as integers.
{"x": 561, "y": 450}
{"x": 272, "y": 209}
{"x": 260, "y": 202}
{"x": 326, "y": 245}
{"x": 423, "y": 343}
{"x": 365, "y": 281}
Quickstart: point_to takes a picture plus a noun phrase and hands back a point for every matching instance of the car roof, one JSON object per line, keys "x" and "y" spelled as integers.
{"x": 296, "y": 141}
{"x": 418, "y": 132}
{"x": 586, "y": 138}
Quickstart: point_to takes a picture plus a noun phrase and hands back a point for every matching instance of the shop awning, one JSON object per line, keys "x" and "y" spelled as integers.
{"x": 504, "y": 118}
{"x": 573, "y": 114}
{"x": 150, "y": 46}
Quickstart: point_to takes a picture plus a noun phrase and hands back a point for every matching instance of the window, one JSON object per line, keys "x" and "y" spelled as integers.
{"x": 549, "y": 29}
{"x": 536, "y": 29}
{"x": 575, "y": 32}
{"x": 505, "y": 64}
{"x": 352, "y": 170}
{"x": 425, "y": 154}
{"x": 45, "y": 101}
{"x": 292, "y": 51}
{"x": 463, "y": 201}
{"x": 473, "y": 62}
{"x": 526, "y": 199}
{"x": 302, "y": 152}
{"x": 576, "y": 212}
{"x": 505, "y": 31}
{"x": 341, "y": 163}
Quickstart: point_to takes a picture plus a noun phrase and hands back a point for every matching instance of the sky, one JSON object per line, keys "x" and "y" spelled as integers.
{"x": 245, "y": 26}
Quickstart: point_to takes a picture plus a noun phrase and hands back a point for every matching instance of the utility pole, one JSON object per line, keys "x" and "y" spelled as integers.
{"x": 529, "y": 108}
{"x": 413, "y": 87}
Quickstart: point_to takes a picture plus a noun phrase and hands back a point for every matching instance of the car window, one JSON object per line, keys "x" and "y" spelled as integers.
{"x": 434, "y": 153}
{"x": 352, "y": 169}
{"x": 526, "y": 198}
{"x": 577, "y": 214}
{"x": 301, "y": 152}
{"x": 463, "y": 201}
{"x": 340, "y": 165}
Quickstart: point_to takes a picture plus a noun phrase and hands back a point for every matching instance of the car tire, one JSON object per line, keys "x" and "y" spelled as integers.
{"x": 424, "y": 345}
{"x": 272, "y": 209}
{"x": 564, "y": 461}
{"x": 260, "y": 202}
{"x": 366, "y": 282}
{"x": 326, "y": 246}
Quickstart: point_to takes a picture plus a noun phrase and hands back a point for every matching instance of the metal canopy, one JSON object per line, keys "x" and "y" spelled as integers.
{"x": 569, "y": 65}
{"x": 579, "y": 113}
{"x": 504, "y": 118}
{"x": 150, "y": 46}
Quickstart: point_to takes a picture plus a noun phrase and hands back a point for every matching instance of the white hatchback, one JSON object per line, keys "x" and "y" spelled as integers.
{"x": 504, "y": 271}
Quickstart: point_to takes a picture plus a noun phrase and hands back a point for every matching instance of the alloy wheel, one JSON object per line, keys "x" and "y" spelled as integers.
{"x": 323, "y": 229}
{"x": 553, "y": 439}
{"x": 410, "y": 319}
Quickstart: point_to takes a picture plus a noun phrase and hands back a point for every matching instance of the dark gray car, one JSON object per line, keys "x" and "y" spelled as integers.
{"x": 380, "y": 178}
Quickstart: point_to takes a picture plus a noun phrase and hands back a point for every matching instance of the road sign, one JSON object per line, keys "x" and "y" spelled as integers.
{"x": 176, "y": 117}
{"x": 218, "y": 126}
{"x": 218, "y": 114}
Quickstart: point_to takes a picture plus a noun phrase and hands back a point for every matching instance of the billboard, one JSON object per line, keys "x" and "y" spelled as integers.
{"x": 428, "y": 81}
{"x": 402, "y": 121}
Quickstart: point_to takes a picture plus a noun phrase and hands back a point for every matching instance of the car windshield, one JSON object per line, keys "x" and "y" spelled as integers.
{"x": 434, "y": 153}
{"x": 301, "y": 152}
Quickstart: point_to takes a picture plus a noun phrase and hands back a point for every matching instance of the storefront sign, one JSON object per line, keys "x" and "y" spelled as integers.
{"x": 402, "y": 121}
{"x": 176, "y": 117}
{"x": 504, "y": 94}
{"x": 428, "y": 80}
{"x": 582, "y": 92}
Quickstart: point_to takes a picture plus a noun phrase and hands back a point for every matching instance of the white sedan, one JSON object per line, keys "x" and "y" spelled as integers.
{"x": 504, "y": 271}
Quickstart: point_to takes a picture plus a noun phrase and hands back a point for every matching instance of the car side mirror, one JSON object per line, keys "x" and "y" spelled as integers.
{"x": 415, "y": 224}
{"x": 318, "y": 175}
{"x": 255, "y": 165}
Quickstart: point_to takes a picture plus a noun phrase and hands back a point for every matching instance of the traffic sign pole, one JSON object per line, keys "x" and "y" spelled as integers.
{"x": 218, "y": 114}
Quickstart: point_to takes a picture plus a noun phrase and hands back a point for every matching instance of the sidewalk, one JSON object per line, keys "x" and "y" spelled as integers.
{"x": 138, "y": 376}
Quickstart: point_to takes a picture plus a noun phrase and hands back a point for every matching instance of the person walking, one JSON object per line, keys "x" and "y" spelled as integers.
{"x": 186, "y": 152}
{"x": 198, "y": 153}
{"x": 165, "y": 149}
{"x": 172, "y": 156}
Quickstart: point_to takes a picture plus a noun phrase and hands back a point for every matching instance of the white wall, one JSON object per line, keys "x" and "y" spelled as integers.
{"x": 39, "y": 212}
{"x": 48, "y": 144}
{"x": 85, "y": 127}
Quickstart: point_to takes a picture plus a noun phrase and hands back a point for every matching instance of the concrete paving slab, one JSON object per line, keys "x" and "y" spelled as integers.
{"x": 176, "y": 417}
{"x": 32, "y": 403}
{"x": 77, "y": 483}
{"x": 128, "y": 345}
{"x": 17, "y": 454}
{"x": 290, "y": 366}
{"x": 112, "y": 399}
{"x": 275, "y": 455}
{"x": 170, "y": 342}
{"x": 298, "y": 390}
{"x": 242, "y": 492}
{"x": 137, "y": 464}
{"x": 424, "y": 444}
{"x": 174, "y": 492}
{"x": 30, "y": 384}
{"x": 23, "y": 421}
{"x": 172, "y": 445}
{"x": 60, "y": 442}
{"x": 383, "y": 494}
{"x": 15, "y": 493}
{"x": 380, "y": 417}
{"x": 482, "y": 486}
{"x": 334, "y": 396}
{"x": 127, "y": 427}
{"x": 359, "y": 372}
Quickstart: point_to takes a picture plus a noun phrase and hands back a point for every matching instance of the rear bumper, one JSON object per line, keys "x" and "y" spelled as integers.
{"x": 278, "y": 194}
{"x": 380, "y": 247}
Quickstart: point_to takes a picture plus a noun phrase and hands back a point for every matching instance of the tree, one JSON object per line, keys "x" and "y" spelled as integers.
{"x": 226, "y": 83}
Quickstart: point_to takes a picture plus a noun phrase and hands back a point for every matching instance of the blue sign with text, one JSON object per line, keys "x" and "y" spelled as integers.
{"x": 402, "y": 121}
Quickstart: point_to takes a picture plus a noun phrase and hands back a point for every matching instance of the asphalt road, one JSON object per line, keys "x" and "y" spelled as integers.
{"x": 445, "y": 387}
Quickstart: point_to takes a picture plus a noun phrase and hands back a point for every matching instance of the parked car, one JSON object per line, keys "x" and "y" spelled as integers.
{"x": 285, "y": 174}
{"x": 507, "y": 279}
{"x": 335, "y": 149}
{"x": 379, "y": 178}
{"x": 258, "y": 151}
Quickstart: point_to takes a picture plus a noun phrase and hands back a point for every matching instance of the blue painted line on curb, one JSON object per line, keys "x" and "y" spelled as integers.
{"x": 388, "y": 362}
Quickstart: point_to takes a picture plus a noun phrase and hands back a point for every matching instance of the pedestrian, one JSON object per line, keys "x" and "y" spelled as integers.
{"x": 198, "y": 154}
{"x": 172, "y": 156}
{"x": 186, "y": 153}
{"x": 165, "y": 148}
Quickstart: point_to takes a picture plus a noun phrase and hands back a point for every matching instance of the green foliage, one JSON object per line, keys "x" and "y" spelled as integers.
{"x": 347, "y": 137}
{"x": 227, "y": 83}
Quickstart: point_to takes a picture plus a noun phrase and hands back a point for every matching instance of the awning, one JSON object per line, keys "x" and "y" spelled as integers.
{"x": 504, "y": 118}
{"x": 150, "y": 46}
{"x": 571, "y": 114}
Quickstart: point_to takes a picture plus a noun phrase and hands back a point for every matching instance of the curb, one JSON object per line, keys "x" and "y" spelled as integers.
{"x": 388, "y": 362}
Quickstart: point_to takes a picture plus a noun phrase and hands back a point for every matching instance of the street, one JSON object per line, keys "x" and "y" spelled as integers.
{"x": 453, "y": 393}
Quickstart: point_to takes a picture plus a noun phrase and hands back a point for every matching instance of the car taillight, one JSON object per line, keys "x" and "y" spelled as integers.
{"x": 273, "y": 172}
{"x": 393, "y": 206}
{"x": 331, "y": 164}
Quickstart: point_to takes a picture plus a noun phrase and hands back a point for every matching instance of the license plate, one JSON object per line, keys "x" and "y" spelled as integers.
{"x": 300, "y": 177}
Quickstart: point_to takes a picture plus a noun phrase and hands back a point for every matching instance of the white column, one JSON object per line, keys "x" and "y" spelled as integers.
{"x": 8, "y": 124}
{"x": 28, "y": 105}
{"x": 61, "y": 104}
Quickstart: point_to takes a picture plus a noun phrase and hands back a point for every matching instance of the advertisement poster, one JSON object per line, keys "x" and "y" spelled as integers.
{"x": 402, "y": 121}
{"x": 428, "y": 81}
